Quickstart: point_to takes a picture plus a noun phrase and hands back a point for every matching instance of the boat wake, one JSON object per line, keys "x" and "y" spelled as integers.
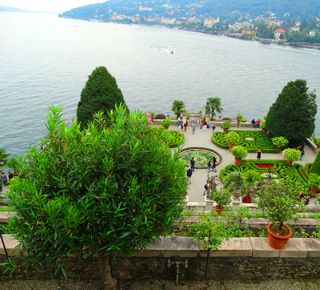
{"x": 168, "y": 50}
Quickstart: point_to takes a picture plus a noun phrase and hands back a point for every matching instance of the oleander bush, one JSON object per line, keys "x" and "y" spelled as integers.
{"x": 278, "y": 167}
{"x": 261, "y": 141}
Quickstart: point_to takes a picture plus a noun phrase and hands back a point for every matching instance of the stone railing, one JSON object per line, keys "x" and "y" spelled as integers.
{"x": 236, "y": 259}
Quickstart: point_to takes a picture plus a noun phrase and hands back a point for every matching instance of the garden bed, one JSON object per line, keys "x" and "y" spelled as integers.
{"x": 201, "y": 156}
{"x": 250, "y": 139}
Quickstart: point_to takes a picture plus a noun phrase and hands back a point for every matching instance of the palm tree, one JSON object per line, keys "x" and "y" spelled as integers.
{"x": 177, "y": 107}
{"x": 3, "y": 157}
{"x": 234, "y": 180}
{"x": 213, "y": 105}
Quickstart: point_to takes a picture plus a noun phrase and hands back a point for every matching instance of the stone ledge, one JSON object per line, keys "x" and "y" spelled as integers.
{"x": 237, "y": 247}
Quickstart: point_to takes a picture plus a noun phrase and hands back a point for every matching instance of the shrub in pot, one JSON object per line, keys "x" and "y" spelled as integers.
{"x": 279, "y": 203}
{"x": 317, "y": 142}
{"x": 263, "y": 125}
{"x": 222, "y": 197}
{"x": 314, "y": 182}
{"x": 239, "y": 117}
{"x": 252, "y": 176}
{"x": 239, "y": 152}
{"x": 292, "y": 155}
{"x": 232, "y": 138}
{"x": 280, "y": 142}
{"x": 226, "y": 125}
{"x": 166, "y": 123}
{"x": 234, "y": 180}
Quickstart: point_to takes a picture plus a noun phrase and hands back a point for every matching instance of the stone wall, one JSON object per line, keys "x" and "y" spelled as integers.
{"x": 238, "y": 259}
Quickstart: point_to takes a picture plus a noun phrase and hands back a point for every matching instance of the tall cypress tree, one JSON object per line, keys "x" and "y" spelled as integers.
{"x": 293, "y": 114}
{"x": 101, "y": 93}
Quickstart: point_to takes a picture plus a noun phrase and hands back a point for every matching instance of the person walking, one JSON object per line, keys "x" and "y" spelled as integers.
{"x": 185, "y": 125}
{"x": 193, "y": 126}
{"x": 253, "y": 122}
{"x": 181, "y": 126}
{"x": 206, "y": 187}
{"x": 213, "y": 127}
{"x": 214, "y": 162}
{"x": 259, "y": 154}
{"x": 179, "y": 121}
{"x": 208, "y": 124}
{"x": 192, "y": 163}
{"x": 209, "y": 165}
{"x": 258, "y": 123}
{"x": 4, "y": 178}
{"x": 189, "y": 174}
{"x": 204, "y": 125}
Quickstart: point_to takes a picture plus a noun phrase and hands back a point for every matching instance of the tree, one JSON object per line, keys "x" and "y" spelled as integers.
{"x": 293, "y": 113}
{"x": 315, "y": 167}
{"x": 3, "y": 157}
{"x": 101, "y": 93}
{"x": 212, "y": 106}
{"x": 177, "y": 107}
{"x": 96, "y": 191}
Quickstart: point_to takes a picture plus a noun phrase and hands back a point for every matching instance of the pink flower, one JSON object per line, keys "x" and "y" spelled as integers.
{"x": 88, "y": 133}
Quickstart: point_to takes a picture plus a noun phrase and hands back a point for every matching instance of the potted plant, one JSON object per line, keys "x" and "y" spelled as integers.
{"x": 239, "y": 117}
{"x": 314, "y": 182}
{"x": 263, "y": 125}
{"x": 234, "y": 181}
{"x": 292, "y": 155}
{"x": 232, "y": 139}
{"x": 317, "y": 142}
{"x": 166, "y": 123}
{"x": 222, "y": 197}
{"x": 251, "y": 177}
{"x": 226, "y": 125}
{"x": 153, "y": 114}
{"x": 280, "y": 142}
{"x": 280, "y": 203}
{"x": 239, "y": 152}
{"x": 188, "y": 116}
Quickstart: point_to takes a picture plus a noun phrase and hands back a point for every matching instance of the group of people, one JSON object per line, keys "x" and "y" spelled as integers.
{"x": 256, "y": 124}
{"x": 203, "y": 125}
{"x": 4, "y": 178}
{"x": 304, "y": 198}
{"x": 183, "y": 125}
{"x": 190, "y": 169}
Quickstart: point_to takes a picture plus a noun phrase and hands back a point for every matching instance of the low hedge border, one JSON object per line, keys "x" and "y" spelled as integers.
{"x": 176, "y": 138}
{"x": 281, "y": 169}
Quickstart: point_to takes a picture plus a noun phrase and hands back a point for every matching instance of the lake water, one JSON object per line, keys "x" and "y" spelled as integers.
{"x": 46, "y": 60}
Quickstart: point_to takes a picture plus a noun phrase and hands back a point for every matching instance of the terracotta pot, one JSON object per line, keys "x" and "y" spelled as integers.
{"x": 218, "y": 210}
{"x": 314, "y": 190}
{"x": 225, "y": 130}
{"x": 167, "y": 128}
{"x": 278, "y": 242}
{"x": 318, "y": 147}
{"x": 264, "y": 131}
{"x": 248, "y": 189}
{"x": 231, "y": 146}
{"x": 237, "y": 161}
{"x": 278, "y": 148}
{"x": 289, "y": 162}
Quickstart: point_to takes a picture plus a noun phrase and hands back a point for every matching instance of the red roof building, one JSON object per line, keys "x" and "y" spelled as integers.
{"x": 280, "y": 30}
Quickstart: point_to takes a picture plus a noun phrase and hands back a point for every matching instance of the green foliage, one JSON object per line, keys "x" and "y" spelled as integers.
{"x": 280, "y": 141}
{"x": 188, "y": 116}
{"x": 101, "y": 93}
{"x": 316, "y": 141}
{"x": 292, "y": 154}
{"x": 279, "y": 201}
{"x": 222, "y": 197}
{"x": 94, "y": 191}
{"x": 251, "y": 176}
{"x": 210, "y": 233}
{"x": 13, "y": 163}
{"x": 226, "y": 124}
{"x": 3, "y": 157}
{"x": 239, "y": 117}
{"x": 234, "y": 180}
{"x": 232, "y": 138}
{"x": 260, "y": 141}
{"x": 239, "y": 152}
{"x": 200, "y": 110}
{"x": 315, "y": 167}
{"x": 212, "y": 106}
{"x": 201, "y": 157}
{"x": 166, "y": 123}
{"x": 177, "y": 107}
{"x": 280, "y": 169}
{"x": 243, "y": 120}
{"x": 293, "y": 114}
{"x": 262, "y": 124}
{"x": 314, "y": 180}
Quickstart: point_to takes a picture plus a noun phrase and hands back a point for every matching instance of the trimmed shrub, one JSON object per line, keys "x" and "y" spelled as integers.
{"x": 315, "y": 167}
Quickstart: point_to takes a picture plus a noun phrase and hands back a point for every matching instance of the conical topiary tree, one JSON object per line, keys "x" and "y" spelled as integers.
{"x": 293, "y": 113}
{"x": 315, "y": 167}
{"x": 101, "y": 93}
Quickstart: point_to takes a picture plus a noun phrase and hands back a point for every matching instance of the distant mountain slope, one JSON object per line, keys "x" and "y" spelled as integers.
{"x": 11, "y": 9}
{"x": 225, "y": 9}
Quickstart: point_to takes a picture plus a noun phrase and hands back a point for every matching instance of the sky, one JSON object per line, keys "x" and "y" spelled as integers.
{"x": 48, "y": 5}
